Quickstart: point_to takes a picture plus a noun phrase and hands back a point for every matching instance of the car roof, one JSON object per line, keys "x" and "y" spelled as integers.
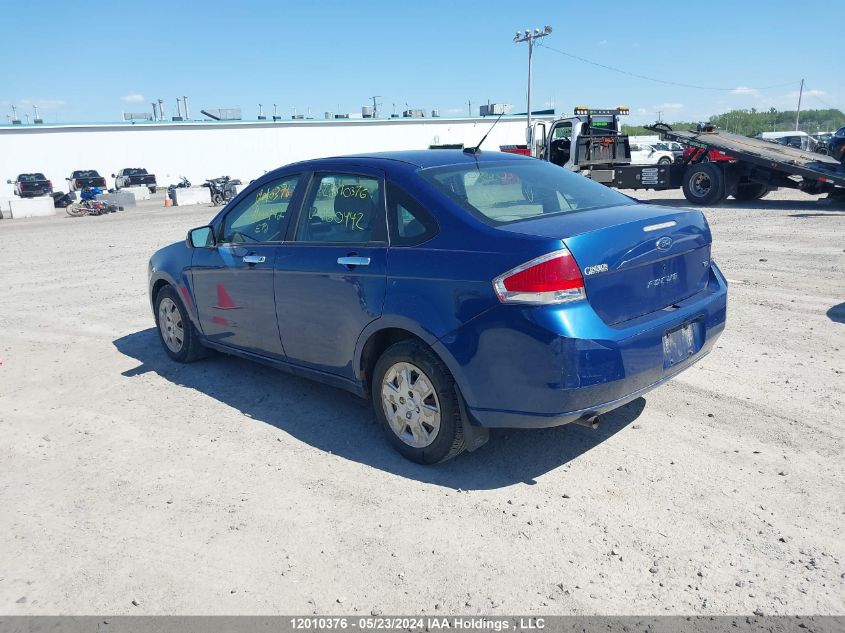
{"x": 421, "y": 159}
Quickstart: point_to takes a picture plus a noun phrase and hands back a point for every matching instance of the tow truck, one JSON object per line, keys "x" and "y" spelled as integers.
{"x": 591, "y": 143}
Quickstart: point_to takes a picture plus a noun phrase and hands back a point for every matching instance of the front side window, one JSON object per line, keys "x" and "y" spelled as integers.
{"x": 343, "y": 209}
{"x": 502, "y": 193}
{"x": 260, "y": 217}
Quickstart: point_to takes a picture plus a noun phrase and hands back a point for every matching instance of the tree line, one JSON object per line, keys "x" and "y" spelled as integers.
{"x": 753, "y": 122}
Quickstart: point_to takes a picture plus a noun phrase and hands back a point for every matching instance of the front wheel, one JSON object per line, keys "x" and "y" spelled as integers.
{"x": 216, "y": 199}
{"x": 416, "y": 402}
{"x": 177, "y": 333}
{"x": 75, "y": 210}
{"x": 664, "y": 161}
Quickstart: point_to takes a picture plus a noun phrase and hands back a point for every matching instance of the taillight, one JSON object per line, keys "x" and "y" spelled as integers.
{"x": 79, "y": 183}
{"x": 551, "y": 278}
{"x": 50, "y": 184}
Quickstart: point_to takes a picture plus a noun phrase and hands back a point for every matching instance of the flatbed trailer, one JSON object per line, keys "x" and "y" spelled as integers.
{"x": 760, "y": 166}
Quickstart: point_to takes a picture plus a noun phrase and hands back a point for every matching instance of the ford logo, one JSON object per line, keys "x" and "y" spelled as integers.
{"x": 664, "y": 243}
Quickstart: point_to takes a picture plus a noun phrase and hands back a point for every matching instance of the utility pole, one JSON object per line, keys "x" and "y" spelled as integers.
{"x": 375, "y": 106}
{"x": 798, "y": 112}
{"x": 529, "y": 37}
{"x": 187, "y": 114}
{"x": 469, "y": 108}
{"x": 659, "y": 116}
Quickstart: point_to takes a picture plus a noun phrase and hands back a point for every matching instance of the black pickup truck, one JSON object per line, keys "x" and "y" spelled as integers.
{"x": 31, "y": 185}
{"x": 83, "y": 178}
{"x": 134, "y": 177}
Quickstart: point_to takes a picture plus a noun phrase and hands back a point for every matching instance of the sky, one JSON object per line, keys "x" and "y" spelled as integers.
{"x": 330, "y": 55}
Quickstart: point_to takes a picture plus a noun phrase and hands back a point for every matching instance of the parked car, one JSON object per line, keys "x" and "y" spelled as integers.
{"x": 134, "y": 177}
{"x": 713, "y": 156}
{"x": 795, "y": 138}
{"x": 644, "y": 154}
{"x": 836, "y": 145}
{"x": 429, "y": 283}
{"x": 31, "y": 185}
{"x": 670, "y": 146}
{"x": 83, "y": 178}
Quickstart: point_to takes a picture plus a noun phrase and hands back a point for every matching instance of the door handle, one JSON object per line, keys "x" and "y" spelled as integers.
{"x": 353, "y": 261}
{"x": 253, "y": 259}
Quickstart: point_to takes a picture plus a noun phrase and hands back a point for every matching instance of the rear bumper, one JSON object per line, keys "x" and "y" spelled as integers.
{"x": 538, "y": 367}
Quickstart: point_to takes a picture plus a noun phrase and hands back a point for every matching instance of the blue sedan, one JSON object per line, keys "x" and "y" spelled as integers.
{"x": 459, "y": 291}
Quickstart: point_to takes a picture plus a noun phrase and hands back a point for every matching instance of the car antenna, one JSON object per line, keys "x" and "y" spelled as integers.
{"x": 475, "y": 151}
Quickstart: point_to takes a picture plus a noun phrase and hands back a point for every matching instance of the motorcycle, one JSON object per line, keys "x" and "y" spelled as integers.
{"x": 89, "y": 205}
{"x": 184, "y": 183}
{"x": 222, "y": 189}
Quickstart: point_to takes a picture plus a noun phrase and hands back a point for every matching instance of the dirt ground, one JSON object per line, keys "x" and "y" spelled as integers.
{"x": 132, "y": 485}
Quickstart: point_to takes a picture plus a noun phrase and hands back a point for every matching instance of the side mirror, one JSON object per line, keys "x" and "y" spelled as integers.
{"x": 113, "y": 176}
{"x": 202, "y": 237}
{"x": 9, "y": 182}
{"x": 68, "y": 179}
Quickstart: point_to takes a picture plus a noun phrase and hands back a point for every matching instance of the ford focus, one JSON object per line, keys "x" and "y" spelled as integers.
{"x": 458, "y": 291}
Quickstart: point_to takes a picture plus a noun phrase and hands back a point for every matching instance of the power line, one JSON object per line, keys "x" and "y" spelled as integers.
{"x": 661, "y": 81}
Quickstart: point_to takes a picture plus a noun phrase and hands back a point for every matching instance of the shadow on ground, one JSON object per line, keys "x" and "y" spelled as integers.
{"x": 332, "y": 420}
{"x": 837, "y": 313}
{"x": 754, "y": 205}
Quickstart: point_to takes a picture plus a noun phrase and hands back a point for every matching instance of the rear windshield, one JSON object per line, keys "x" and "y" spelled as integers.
{"x": 134, "y": 171}
{"x": 31, "y": 177}
{"x": 502, "y": 193}
{"x": 86, "y": 173}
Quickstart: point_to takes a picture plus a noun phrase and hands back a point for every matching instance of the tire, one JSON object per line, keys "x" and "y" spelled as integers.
{"x": 152, "y": 189}
{"x": 401, "y": 372}
{"x": 75, "y": 210}
{"x": 706, "y": 158}
{"x": 216, "y": 199}
{"x": 750, "y": 191}
{"x": 704, "y": 183}
{"x": 664, "y": 161}
{"x": 178, "y": 336}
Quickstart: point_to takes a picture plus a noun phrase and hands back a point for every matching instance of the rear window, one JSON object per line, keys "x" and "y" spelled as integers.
{"x": 134, "y": 171}
{"x": 87, "y": 173}
{"x": 502, "y": 193}
{"x": 31, "y": 177}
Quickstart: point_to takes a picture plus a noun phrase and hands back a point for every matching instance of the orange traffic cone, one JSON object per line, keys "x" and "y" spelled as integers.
{"x": 168, "y": 202}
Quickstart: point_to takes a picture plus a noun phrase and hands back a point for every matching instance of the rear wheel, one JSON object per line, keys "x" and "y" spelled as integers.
{"x": 152, "y": 189}
{"x": 750, "y": 191}
{"x": 704, "y": 183}
{"x": 415, "y": 401}
{"x": 216, "y": 199}
{"x": 664, "y": 161}
{"x": 175, "y": 330}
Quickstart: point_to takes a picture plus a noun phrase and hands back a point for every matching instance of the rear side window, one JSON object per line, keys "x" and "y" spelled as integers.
{"x": 410, "y": 222}
{"x": 504, "y": 192}
{"x": 343, "y": 209}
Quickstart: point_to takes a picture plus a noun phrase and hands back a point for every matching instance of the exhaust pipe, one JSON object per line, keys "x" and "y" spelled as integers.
{"x": 591, "y": 422}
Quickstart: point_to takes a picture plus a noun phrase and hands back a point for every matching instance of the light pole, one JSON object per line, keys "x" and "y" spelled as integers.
{"x": 529, "y": 37}
{"x": 798, "y": 111}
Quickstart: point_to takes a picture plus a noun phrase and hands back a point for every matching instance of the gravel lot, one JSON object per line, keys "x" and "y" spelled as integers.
{"x": 132, "y": 485}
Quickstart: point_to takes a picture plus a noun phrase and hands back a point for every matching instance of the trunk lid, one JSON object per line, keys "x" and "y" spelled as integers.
{"x": 635, "y": 259}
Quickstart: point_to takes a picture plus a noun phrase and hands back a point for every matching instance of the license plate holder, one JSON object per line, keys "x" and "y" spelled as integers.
{"x": 678, "y": 345}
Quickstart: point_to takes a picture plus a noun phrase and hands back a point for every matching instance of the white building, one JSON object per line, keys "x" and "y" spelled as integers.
{"x": 240, "y": 149}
